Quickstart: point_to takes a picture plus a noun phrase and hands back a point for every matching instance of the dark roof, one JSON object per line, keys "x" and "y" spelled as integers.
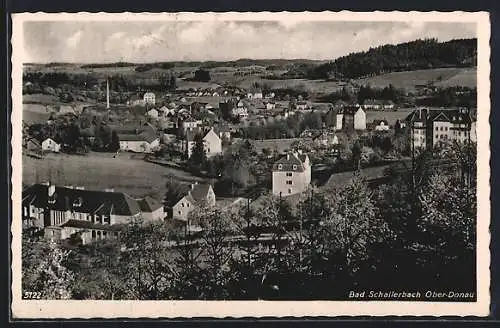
{"x": 377, "y": 122}
{"x": 34, "y": 141}
{"x": 132, "y": 137}
{"x": 92, "y": 201}
{"x": 191, "y": 134}
{"x": 288, "y": 161}
{"x": 350, "y": 110}
{"x": 442, "y": 115}
{"x": 199, "y": 191}
{"x": 149, "y": 204}
{"x": 90, "y": 225}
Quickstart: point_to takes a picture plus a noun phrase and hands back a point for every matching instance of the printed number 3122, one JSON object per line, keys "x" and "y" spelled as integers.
{"x": 32, "y": 295}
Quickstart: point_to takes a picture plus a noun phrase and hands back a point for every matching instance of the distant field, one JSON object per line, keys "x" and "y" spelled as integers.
{"x": 313, "y": 86}
{"x": 100, "y": 171}
{"x": 408, "y": 80}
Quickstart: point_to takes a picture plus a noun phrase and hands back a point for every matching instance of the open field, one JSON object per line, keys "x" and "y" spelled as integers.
{"x": 136, "y": 177}
{"x": 408, "y": 80}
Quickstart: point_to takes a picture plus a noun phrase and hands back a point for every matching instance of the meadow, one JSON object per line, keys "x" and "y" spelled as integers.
{"x": 99, "y": 171}
{"x": 408, "y": 80}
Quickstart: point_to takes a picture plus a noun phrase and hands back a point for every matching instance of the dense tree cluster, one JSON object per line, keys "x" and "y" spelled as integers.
{"x": 201, "y": 75}
{"x": 419, "y": 54}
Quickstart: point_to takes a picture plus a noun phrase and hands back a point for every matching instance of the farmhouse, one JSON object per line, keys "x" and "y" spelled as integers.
{"x": 291, "y": 174}
{"x": 68, "y": 211}
{"x": 199, "y": 194}
{"x": 50, "y": 145}
{"x": 149, "y": 98}
{"x": 212, "y": 143}
{"x": 138, "y": 143}
{"x": 151, "y": 209}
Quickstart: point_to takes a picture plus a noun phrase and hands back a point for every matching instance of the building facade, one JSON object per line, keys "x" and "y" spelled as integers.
{"x": 149, "y": 98}
{"x": 198, "y": 194}
{"x": 430, "y": 127}
{"x": 291, "y": 174}
{"x": 62, "y": 212}
{"x": 50, "y": 145}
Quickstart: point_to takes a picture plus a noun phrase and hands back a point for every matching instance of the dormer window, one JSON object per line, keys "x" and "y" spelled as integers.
{"x": 78, "y": 202}
{"x": 294, "y": 167}
{"x": 280, "y": 167}
{"x": 52, "y": 200}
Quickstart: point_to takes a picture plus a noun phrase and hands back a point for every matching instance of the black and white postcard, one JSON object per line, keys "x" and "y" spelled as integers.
{"x": 250, "y": 164}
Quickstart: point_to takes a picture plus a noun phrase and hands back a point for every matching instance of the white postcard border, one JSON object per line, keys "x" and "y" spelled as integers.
{"x": 38, "y": 309}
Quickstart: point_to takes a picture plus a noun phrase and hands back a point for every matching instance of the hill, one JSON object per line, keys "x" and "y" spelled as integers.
{"x": 441, "y": 77}
{"x": 409, "y": 56}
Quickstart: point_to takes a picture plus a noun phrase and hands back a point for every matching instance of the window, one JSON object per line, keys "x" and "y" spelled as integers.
{"x": 437, "y": 129}
{"x": 289, "y": 174}
{"x": 288, "y": 182}
{"x": 25, "y": 211}
{"x": 180, "y": 212}
{"x": 294, "y": 167}
{"x": 104, "y": 233}
{"x": 78, "y": 202}
{"x": 290, "y": 190}
{"x": 280, "y": 167}
{"x": 446, "y": 128}
{"x": 441, "y": 128}
{"x": 93, "y": 234}
{"x": 182, "y": 204}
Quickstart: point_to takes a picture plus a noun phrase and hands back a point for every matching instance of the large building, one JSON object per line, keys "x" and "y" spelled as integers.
{"x": 291, "y": 174}
{"x": 91, "y": 214}
{"x": 149, "y": 98}
{"x": 429, "y": 127}
{"x": 353, "y": 117}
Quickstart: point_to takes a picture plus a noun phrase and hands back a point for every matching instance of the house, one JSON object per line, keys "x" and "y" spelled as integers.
{"x": 374, "y": 104}
{"x": 388, "y": 104}
{"x": 241, "y": 112}
{"x": 212, "y": 143}
{"x": 198, "y": 195}
{"x": 326, "y": 139}
{"x": 429, "y": 127}
{"x": 190, "y": 124}
{"x": 50, "y": 145}
{"x": 151, "y": 209}
{"x": 291, "y": 174}
{"x": 333, "y": 118}
{"x": 301, "y": 105}
{"x": 62, "y": 212}
{"x": 149, "y": 98}
{"x": 353, "y": 117}
{"x": 255, "y": 94}
{"x": 381, "y": 125}
{"x": 270, "y": 95}
{"x": 139, "y": 143}
{"x": 270, "y": 105}
{"x": 152, "y": 113}
{"x": 33, "y": 145}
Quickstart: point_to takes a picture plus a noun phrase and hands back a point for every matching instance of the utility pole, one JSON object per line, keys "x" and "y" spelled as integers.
{"x": 107, "y": 94}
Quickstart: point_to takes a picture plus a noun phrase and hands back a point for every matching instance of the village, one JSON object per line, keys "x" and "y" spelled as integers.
{"x": 179, "y": 131}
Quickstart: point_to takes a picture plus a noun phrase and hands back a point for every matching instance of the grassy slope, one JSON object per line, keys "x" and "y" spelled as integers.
{"x": 100, "y": 170}
{"x": 408, "y": 80}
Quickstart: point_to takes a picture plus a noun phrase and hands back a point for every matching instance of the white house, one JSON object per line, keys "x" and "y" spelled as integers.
{"x": 270, "y": 105}
{"x": 196, "y": 196}
{"x": 212, "y": 143}
{"x": 50, "y": 145}
{"x": 291, "y": 174}
{"x": 149, "y": 98}
{"x": 139, "y": 143}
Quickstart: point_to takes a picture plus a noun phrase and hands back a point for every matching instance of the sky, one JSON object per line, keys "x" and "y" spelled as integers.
{"x": 151, "y": 41}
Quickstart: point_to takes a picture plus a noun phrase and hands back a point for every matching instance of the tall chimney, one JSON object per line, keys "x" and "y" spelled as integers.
{"x": 51, "y": 189}
{"x": 107, "y": 94}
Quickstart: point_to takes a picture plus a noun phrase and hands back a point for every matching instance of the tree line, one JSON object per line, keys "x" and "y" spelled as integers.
{"x": 419, "y": 54}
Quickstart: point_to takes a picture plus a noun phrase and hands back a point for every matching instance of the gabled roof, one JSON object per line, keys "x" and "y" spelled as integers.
{"x": 92, "y": 201}
{"x": 377, "y": 122}
{"x": 289, "y": 161}
{"x": 199, "y": 191}
{"x": 149, "y": 204}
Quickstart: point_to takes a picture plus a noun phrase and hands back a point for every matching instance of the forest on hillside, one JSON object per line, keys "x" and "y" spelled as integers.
{"x": 419, "y": 54}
